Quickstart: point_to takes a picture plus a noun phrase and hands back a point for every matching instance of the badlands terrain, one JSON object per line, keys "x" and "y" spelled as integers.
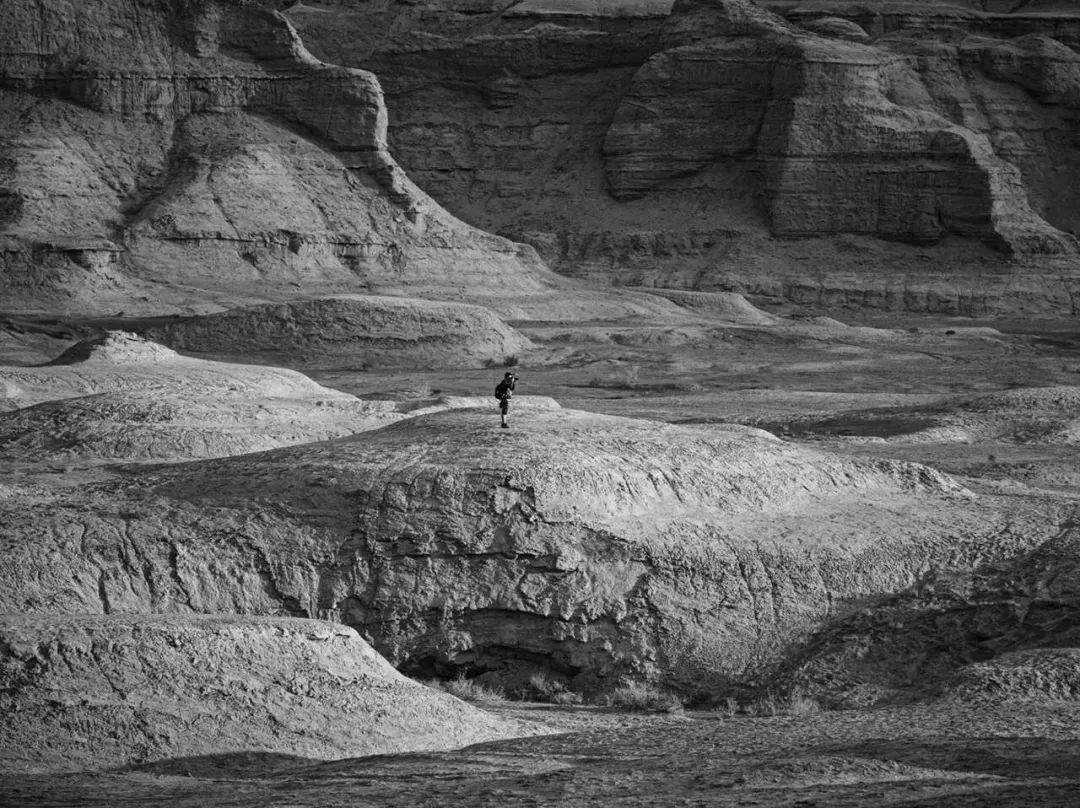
{"x": 788, "y": 512}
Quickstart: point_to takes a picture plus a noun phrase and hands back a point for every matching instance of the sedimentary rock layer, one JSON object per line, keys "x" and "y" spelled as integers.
{"x": 181, "y": 150}
{"x": 689, "y": 137}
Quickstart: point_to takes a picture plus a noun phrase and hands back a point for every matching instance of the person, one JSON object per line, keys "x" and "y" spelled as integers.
{"x": 504, "y": 392}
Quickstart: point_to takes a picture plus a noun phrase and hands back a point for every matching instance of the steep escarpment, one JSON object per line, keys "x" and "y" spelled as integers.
{"x": 586, "y": 547}
{"x": 172, "y": 153}
{"x": 691, "y": 142}
{"x": 98, "y": 692}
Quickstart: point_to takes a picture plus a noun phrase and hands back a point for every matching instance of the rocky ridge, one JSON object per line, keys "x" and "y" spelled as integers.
{"x": 583, "y": 547}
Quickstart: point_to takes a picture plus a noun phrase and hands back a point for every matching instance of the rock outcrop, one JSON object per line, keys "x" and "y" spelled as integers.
{"x": 586, "y": 547}
{"x": 371, "y": 332}
{"x": 100, "y": 692}
{"x": 813, "y": 117}
{"x": 173, "y": 153}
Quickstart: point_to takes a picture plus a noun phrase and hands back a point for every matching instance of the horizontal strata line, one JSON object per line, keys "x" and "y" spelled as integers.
{"x": 283, "y": 75}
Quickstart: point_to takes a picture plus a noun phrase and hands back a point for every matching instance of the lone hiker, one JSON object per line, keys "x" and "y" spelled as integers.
{"x": 504, "y": 392}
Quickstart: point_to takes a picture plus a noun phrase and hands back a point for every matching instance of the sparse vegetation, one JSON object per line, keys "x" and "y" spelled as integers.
{"x": 469, "y": 690}
{"x": 644, "y": 698}
{"x": 795, "y": 703}
{"x": 546, "y": 689}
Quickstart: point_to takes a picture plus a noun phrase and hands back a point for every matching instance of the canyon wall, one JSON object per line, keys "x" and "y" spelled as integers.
{"x": 171, "y": 152}
{"x": 826, "y": 152}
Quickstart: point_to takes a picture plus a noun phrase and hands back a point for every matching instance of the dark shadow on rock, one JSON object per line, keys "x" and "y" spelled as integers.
{"x": 228, "y": 765}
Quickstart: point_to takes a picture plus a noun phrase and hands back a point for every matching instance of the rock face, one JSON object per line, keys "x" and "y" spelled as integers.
{"x": 187, "y": 150}
{"x": 586, "y": 547}
{"x": 686, "y": 140}
{"x": 96, "y": 692}
{"x": 370, "y": 331}
{"x": 813, "y": 117}
{"x": 1005, "y": 629}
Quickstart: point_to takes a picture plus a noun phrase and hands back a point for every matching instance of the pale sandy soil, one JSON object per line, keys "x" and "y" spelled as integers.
{"x": 1004, "y": 756}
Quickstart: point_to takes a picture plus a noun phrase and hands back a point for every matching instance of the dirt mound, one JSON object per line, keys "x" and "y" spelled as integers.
{"x": 1038, "y": 673}
{"x": 374, "y": 331}
{"x": 92, "y": 692}
{"x": 118, "y": 348}
{"x": 148, "y": 426}
{"x": 123, "y": 397}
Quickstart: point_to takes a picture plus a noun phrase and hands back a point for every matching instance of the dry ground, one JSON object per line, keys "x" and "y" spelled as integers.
{"x": 1000, "y": 756}
{"x": 813, "y": 381}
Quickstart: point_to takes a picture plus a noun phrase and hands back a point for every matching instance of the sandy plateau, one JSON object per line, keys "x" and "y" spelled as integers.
{"x": 787, "y": 510}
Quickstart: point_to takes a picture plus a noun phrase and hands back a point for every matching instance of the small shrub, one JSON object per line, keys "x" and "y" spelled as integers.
{"x": 801, "y": 704}
{"x": 543, "y": 688}
{"x": 797, "y": 703}
{"x": 508, "y": 361}
{"x": 645, "y": 699}
{"x": 566, "y": 698}
{"x": 729, "y": 707}
{"x": 469, "y": 690}
{"x": 767, "y": 705}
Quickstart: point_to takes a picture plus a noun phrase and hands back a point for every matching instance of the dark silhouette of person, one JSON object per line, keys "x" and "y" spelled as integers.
{"x": 504, "y": 392}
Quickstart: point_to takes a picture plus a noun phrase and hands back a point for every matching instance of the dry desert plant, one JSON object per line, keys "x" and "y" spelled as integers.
{"x": 644, "y": 698}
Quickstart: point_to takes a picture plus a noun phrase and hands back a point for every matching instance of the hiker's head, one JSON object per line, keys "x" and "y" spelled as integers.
{"x": 509, "y": 375}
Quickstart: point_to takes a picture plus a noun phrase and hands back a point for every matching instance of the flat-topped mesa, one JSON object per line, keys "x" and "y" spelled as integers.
{"x": 835, "y": 146}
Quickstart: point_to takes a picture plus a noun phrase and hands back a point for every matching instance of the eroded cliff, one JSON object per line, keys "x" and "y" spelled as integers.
{"x": 687, "y": 144}
{"x": 178, "y": 153}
